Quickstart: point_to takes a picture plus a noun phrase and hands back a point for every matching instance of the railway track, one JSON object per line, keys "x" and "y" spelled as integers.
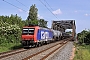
{"x": 9, "y": 53}
{"x": 42, "y": 55}
{"x": 39, "y": 52}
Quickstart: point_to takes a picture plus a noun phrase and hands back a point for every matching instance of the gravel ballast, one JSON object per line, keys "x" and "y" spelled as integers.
{"x": 25, "y": 54}
{"x": 63, "y": 54}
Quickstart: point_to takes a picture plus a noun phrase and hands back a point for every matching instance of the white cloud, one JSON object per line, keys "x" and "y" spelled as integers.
{"x": 75, "y": 11}
{"x": 27, "y": 12}
{"x": 20, "y": 10}
{"x": 40, "y": 17}
{"x": 87, "y": 14}
{"x": 56, "y": 12}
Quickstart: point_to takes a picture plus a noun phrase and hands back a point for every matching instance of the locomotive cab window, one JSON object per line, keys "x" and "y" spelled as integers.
{"x": 31, "y": 31}
{"x": 28, "y": 31}
{"x": 25, "y": 31}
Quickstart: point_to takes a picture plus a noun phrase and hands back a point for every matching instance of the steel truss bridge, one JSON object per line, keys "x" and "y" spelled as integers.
{"x": 62, "y": 25}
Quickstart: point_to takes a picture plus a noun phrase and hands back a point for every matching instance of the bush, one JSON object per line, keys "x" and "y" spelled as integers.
{"x": 9, "y": 33}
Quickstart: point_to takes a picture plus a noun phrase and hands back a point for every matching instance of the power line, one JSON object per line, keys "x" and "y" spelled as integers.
{"x": 22, "y": 3}
{"x": 15, "y": 6}
{"x": 49, "y": 5}
{"x": 48, "y": 8}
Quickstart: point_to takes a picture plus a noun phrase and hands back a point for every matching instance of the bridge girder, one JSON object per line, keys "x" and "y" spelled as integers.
{"x": 62, "y": 25}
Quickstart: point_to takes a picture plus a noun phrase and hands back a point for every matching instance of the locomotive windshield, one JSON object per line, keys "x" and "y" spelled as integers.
{"x": 28, "y": 31}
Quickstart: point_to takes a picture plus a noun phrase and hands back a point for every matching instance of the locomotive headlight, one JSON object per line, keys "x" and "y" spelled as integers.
{"x": 35, "y": 41}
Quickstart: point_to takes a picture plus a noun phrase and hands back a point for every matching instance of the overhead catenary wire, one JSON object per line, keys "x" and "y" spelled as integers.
{"x": 48, "y": 9}
{"x": 21, "y": 3}
{"x": 49, "y": 5}
{"x": 27, "y": 7}
{"x": 15, "y": 6}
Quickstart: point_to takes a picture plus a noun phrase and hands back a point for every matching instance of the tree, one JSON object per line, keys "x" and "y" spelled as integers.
{"x": 84, "y": 37}
{"x": 10, "y": 28}
{"x": 42, "y": 23}
{"x": 32, "y": 18}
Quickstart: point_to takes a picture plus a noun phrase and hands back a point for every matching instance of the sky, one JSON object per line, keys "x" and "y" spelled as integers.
{"x": 78, "y": 10}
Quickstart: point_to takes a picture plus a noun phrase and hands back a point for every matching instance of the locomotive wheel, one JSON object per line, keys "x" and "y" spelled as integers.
{"x": 35, "y": 44}
{"x": 39, "y": 44}
{"x": 46, "y": 42}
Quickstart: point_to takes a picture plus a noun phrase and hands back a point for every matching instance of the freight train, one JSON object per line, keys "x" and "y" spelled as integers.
{"x": 66, "y": 35}
{"x": 36, "y": 36}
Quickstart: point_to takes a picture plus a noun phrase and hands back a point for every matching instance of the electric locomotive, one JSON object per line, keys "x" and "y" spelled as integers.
{"x": 36, "y": 36}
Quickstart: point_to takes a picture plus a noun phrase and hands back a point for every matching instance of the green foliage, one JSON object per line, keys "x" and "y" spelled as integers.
{"x": 9, "y": 33}
{"x": 42, "y": 23}
{"x": 32, "y": 17}
{"x": 10, "y": 29}
{"x": 84, "y": 37}
{"x": 87, "y": 38}
{"x": 9, "y": 46}
{"x": 82, "y": 52}
{"x": 33, "y": 13}
{"x": 13, "y": 19}
{"x": 34, "y": 22}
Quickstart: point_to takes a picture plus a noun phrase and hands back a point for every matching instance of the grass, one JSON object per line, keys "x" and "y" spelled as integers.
{"x": 9, "y": 46}
{"x": 82, "y": 52}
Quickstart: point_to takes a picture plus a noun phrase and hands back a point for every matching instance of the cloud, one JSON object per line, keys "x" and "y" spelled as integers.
{"x": 56, "y": 12}
{"x": 40, "y": 17}
{"x": 20, "y": 10}
{"x": 27, "y": 12}
{"x": 86, "y": 14}
{"x": 75, "y": 11}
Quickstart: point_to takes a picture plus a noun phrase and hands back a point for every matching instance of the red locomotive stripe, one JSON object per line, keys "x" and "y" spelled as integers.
{"x": 35, "y": 33}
